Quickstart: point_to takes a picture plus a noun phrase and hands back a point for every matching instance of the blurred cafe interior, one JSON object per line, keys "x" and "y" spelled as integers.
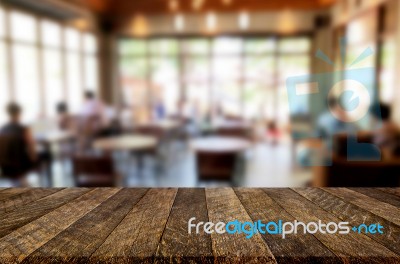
{"x": 196, "y": 93}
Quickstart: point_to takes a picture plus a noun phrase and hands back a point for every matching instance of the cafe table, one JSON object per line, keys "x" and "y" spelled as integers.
{"x": 134, "y": 143}
{"x": 114, "y": 225}
{"x": 46, "y": 140}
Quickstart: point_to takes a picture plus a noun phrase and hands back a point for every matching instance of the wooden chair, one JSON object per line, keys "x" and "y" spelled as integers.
{"x": 225, "y": 167}
{"x": 94, "y": 171}
{"x": 14, "y": 162}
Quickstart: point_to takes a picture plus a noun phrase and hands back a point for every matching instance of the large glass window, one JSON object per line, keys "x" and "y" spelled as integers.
{"x": 52, "y": 65}
{"x": 2, "y": 23}
{"x": 49, "y": 63}
{"x": 241, "y": 76}
{"x": 26, "y": 80}
{"x": 23, "y": 27}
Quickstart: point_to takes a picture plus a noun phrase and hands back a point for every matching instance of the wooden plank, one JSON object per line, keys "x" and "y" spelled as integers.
{"x": 78, "y": 242}
{"x": 10, "y": 192}
{"x": 136, "y": 238}
{"x": 354, "y": 215}
{"x": 224, "y": 206}
{"x": 379, "y": 195}
{"x": 24, "y": 198}
{"x": 304, "y": 248}
{"x": 394, "y": 191}
{"x": 177, "y": 245}
{"x": 28, "y": 213}
{"x": 16, "y": 246}
{"x": 350, "y": 247}
{"x": 384, "y": 210}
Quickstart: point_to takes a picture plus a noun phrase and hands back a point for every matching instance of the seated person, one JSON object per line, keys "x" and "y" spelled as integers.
{"x": 386, "y": 137}
{"x": 64, "y": 120}
{"x": 17, "y": 155}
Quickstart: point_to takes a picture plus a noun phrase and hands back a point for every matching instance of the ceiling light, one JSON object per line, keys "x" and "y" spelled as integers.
{"x": 173, "y": 5}
{"x": 179, "y": 22}
{"x": 226, "y": 2}
{"x": 211, "y": 21}
{"x": 197, "y": 4}
{"x": 244, "y": 20}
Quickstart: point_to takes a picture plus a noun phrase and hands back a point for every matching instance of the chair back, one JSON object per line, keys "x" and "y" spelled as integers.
{"x": 14, "y": 158}
{"x": 94, "y": 171}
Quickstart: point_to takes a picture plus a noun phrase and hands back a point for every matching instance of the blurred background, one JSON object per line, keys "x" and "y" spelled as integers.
{"x": 165, "y": 93}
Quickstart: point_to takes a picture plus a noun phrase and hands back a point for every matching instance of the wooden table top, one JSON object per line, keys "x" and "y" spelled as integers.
{"x": 151, "y": 225}
{"x": 220, "y": 144}
{"x": 125, "y": 143}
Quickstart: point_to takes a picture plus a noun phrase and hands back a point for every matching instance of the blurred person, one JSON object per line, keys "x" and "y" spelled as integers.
{"x": 386, "y": 137}
{"x": 92, "y": 119}
{"x": 159, "y": 111}
{"x": 18, "y": 155}
{"x": 92, "y": 107}
{"x": 64, "y": 120}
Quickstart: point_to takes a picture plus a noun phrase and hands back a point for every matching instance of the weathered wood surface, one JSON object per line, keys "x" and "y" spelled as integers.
{"x": 113, "y": 225}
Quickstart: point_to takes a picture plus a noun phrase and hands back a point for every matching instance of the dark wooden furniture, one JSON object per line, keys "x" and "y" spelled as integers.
{"x": 218, "y": 158}
{"x": 111, "y": 225}
{"x": 94, "y": 171}
{"x": 347, "y": 173}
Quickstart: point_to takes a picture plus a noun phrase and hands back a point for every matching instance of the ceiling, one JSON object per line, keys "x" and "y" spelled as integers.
{"x": 123, "y": 8}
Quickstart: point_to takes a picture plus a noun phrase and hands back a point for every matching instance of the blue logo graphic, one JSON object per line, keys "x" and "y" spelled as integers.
{"x": 354, "y": 91}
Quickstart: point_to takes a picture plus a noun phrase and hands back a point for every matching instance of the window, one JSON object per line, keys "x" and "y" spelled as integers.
{"x": 50, "y": 64}
{"x": 26, "y": 80}
{"x": 242, "y": 76}
{"x": 74, "y": 81}
{"x": 90, "y": 49}
{"x": 51, "y": 34}
{"x": 2, "y": 23}
{"x": 23, "y": 27}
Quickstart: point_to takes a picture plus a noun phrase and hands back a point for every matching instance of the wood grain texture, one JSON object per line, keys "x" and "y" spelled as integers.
{"x": 112, "y": 225}
{"x": 177, "y": 245}
{"x": 379, "y": 195}
{"x": 384, "y": 210}
{"x": 224, "y": 206}
{"x": 354, "y": 215}
{"x": 84, "y": 236}
{"x": 296, "y": 249}
{"x": 136, "y": 238}
{"x": 23, "y": 241}
{"x": 25, "y": 214}
{"x": 394, "y": 191}
{"x": 346, "y": 246}
{"x": 10, "y": 192}
{"x": 24, "y": 198}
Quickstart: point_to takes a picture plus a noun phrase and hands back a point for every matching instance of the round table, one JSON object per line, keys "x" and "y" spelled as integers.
{"x": 133, "y": 143}
{"x": 125, "y": 143}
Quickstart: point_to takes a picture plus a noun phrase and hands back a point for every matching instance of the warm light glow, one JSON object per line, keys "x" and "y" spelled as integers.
{"x": 140, "y": 26}
{"x": 211, "y": 21}
{"x": 173, "y": 5}
{"x": 226, "y": 2}
{"x": 197, "y": 4}
{"x": 179, "y": 22}
{"x": 287, "y": 22}
{"x": 244, "y": 20}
